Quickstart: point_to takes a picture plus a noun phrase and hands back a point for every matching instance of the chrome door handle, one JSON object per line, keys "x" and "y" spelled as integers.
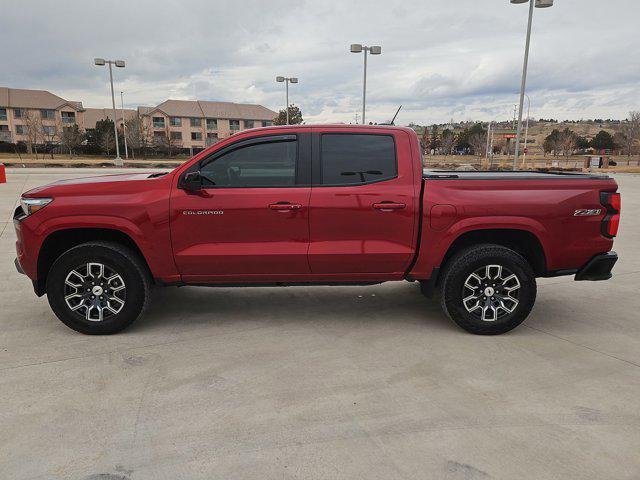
{"x": 285, "y": 206}
{"x": 389, "y": 206}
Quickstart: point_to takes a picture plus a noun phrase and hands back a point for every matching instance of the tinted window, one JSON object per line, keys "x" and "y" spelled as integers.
{"x": 352, "y": 158}
{"x": 270, "y": 164}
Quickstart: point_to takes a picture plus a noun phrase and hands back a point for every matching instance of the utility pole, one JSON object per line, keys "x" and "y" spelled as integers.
{"x": 526, "y": 131}
{"x": 488, "y": 139}
{"x": 124, "y": 126}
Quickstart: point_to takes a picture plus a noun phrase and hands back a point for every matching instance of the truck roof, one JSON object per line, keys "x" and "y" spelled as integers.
{"x": 332, "y": 125}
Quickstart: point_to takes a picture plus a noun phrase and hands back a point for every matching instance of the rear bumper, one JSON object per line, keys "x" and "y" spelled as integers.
{"x": 598, "y": 268}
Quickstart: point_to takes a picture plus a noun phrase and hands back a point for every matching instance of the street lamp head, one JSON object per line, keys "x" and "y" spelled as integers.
{"x": 279, "y": 79}
{"x": 98, "y": 61}
{"x": 519, "y": 1}
{"x": 293, "y": 80}
{"x": 119, "y": 63}
{"x": 356, "y": 48}
{"x": 375, "y": 50}
{"x": 544, "y": 3}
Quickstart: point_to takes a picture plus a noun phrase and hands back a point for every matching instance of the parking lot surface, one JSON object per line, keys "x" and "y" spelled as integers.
{"x": 323, "y": 382}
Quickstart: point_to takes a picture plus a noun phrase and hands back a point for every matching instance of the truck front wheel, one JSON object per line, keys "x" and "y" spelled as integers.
{"x": 488, "y": 289}
{"x": 98, "y": 288}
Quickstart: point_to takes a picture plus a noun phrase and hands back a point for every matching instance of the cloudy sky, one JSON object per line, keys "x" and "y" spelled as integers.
{"x": 441, "y": 59}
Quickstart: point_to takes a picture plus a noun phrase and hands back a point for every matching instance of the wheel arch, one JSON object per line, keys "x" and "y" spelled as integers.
{"x": 59, "y": 241}
{"x": 523, "y": 242}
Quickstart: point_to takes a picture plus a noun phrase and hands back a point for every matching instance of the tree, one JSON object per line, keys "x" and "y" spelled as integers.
{"x": 101, "y": 138}
{"x": 582, "y": 143}
{"x": 71, "y": 138}
{"x": 161, "y": 142}
{"x": 464, "y": 138}
{"x": 170, "y": 145}
{"x": 628, "y": 134}
{"x": 295, "y": 116}
{"x": 434, "y": 139}
{"x": 552, "y": 143}
{"x": 33, "y": 128}
{"x": 424, "y": 140}
{"x": 107, "y": 141}
{"x": 137, "y": 134}
{"x": 478, "y": 142}
{"x": 624, "y": 141}
{"x": 50, "y": 136}
{"x": 448, "y": 141}
{"x": 567, "y": 142}
{"x": 603, "y": 141}
{"x": 474, "y": 139}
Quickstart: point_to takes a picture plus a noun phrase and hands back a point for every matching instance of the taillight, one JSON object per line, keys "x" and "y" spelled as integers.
{"x": 611, "y": 221}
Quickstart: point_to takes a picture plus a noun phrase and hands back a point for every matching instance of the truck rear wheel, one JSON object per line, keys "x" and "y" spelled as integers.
{"x": 98, "y": 288}
{"x": 488, "y": 289}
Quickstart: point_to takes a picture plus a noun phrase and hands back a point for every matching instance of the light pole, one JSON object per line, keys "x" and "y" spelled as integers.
{"x": 488, "y": 139}
{"x": 491, "y": 147}
{"x": 374, "y": 50}
{"x": 120, "y": 64}
{"x": 124, "y": 127}
{"x": 286, "y": 81}
{"x": 523, "y": 84}
{"x": 526, "y": 131}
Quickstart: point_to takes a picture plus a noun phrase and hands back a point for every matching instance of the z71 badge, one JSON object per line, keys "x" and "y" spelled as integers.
{"x": 587, "y": 212}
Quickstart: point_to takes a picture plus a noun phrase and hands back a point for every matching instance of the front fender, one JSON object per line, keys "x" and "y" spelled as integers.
{"x": 152, "y": 240}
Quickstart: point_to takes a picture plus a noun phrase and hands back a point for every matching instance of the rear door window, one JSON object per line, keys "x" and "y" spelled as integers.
{"x": 356, "y": 159}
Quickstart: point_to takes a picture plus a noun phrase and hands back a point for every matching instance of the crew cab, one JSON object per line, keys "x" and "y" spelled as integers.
{"x": 334, "y": 204}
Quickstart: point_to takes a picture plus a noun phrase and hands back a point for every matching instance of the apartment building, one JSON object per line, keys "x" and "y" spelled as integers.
{"x": 91, "y": 116}
{"x": 197, "y": 124}
{"x": 186, "y": 124}
{"x": 21, "y": 110}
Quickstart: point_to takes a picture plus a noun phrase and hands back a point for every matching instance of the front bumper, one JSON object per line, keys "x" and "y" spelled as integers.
{"x": 598, "y": 268}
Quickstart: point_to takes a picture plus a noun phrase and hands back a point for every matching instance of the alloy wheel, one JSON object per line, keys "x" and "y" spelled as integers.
{"x": 491, "y": 292}
{"x": 94, "y": 291}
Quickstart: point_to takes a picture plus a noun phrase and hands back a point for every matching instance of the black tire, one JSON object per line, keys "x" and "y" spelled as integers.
{"x": 116, "y": 260}
{"x": 491, "y": 317}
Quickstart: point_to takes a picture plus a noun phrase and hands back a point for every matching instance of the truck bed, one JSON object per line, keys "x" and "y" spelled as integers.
{"x": 507, "y": 175}
{"x": 544, "y": 205}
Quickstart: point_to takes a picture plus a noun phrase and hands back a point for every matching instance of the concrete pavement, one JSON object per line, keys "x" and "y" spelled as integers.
{"x": 325, "y": 382}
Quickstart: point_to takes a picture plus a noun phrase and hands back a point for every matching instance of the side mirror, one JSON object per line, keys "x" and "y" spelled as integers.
{"x": 192, "y": 181}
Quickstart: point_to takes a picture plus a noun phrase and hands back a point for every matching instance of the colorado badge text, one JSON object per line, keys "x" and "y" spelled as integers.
{"x": 203, "y": 212}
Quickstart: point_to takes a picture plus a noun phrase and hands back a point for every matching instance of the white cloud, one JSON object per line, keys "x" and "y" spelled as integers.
{"x": 441, "y": 59}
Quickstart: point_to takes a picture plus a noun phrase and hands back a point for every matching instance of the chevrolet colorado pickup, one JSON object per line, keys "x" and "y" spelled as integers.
{"x": 336, "y": 204}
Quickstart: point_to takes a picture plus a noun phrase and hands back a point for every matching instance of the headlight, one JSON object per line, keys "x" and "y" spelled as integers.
{"x": 32, "y": 205}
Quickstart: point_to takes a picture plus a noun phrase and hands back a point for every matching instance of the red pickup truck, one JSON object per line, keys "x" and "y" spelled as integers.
{"x": 336, "y": 204}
